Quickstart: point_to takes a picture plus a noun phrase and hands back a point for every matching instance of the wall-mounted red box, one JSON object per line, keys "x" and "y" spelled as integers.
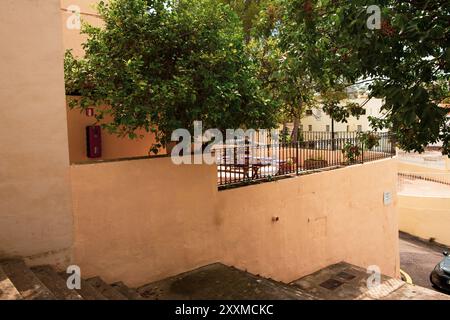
{"x": 94, "y": 141}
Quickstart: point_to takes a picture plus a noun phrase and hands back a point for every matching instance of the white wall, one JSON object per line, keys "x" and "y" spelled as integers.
{"x": 320, "y": 120}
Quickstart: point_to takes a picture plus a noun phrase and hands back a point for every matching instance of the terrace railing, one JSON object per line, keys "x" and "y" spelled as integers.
{"x": 408, "y": 177}
{"x": 243, "y": 162}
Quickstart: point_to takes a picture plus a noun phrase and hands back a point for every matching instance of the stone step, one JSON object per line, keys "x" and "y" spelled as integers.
{"x": 288, "y": 289}
{"x": 7, "y": 290}
{"x": 25, "y": 281}
{"x": 56, "y": 284}
{"x": 105, "y": 289}
{"x": 131, "y": 294}
{"x": 87, "y": 291}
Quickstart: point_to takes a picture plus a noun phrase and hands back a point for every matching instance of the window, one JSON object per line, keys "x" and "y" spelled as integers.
{"x": 300, "y": 128}
{"x": 309, "y": 112}
{"x": 328, "y": 128}
{"x": 359, "y": 128}
{"x": 348, "y": 128}
{"x": 310, "y": 128}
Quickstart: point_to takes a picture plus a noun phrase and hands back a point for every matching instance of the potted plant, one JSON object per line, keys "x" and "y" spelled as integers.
{"x": 351, "y": 152}
{"x": 288, "y": 167}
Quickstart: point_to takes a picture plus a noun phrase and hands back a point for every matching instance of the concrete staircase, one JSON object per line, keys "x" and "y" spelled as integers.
{"x": 19, "y": 282}
{"x": 341, "y": 281}
{"x": 216, "y": 281}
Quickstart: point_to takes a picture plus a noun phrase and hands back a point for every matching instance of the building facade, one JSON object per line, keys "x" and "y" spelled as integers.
{"x": 317, "y": 120}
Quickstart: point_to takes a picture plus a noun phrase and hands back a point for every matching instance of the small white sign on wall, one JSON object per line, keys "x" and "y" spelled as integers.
{"x": 387, "y": 198}
{"x": 74, "y": 20}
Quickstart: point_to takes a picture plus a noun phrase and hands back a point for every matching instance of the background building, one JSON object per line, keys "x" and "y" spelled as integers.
{"x": 317, "y": 120}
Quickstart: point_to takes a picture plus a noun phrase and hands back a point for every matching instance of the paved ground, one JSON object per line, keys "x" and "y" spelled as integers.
{"x": 220, "y": 282}
{"x": 418, "y": 258}
{"x": 344, "y": 281}
{"x": 341, "y": 281}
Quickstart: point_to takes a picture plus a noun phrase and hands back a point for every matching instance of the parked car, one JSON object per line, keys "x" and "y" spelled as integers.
{"x": 440, "y": 277}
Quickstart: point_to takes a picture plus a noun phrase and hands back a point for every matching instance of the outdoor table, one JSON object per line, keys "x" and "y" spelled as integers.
{"x": 255, "y": 168}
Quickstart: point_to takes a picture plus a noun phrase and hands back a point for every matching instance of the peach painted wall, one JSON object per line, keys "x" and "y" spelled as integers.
{"x": 113, "y": 146}
{"x": 35, "y": 198}
{"x": 143, "y": 220}
{"x": 409, "y": 167}
{"x": 425, "y": 217}
{"x": 72, "y": 38}
{"x": 325, "y": 218}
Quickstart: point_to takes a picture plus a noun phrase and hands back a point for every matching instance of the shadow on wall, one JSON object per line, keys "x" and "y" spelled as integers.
{"x": 144, "y": 220}
{"x": 425, "y": 217}
{"x": 112, "y": 146}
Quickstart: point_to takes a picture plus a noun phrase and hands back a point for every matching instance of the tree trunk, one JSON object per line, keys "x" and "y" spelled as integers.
{"x": 284, "y": 133}
{"x": 294, "y": 135}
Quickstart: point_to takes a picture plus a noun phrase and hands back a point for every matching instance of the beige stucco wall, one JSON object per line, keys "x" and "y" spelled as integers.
{"x": 425, "y": 217}
{"x": 35, "y": 204}
{"x": 325, "y": 218}
{"x": 72, "y": 38}
{"x": 144, "y": 220}
{"x": 413, "y": 168}
{"x": 113, "y": 146}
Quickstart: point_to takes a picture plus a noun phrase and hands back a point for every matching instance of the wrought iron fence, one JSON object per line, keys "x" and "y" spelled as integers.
{"x": 244, "y": 162}
{"x": 408, "y": 177}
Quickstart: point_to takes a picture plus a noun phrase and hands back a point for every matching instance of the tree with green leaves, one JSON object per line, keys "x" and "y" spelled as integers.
{"x": 163, "y": 64}
{"x": 292, "y": 91}
{"x": 406, "y": 60}
{"x": 248, "y": 11}
{"x": 283, "y": 72}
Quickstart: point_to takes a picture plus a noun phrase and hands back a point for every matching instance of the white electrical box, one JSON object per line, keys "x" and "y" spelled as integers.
{"x": 387, "y": 198}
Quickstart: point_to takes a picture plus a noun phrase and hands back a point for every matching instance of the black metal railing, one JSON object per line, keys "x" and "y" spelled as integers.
{"x": 244, "y": 162}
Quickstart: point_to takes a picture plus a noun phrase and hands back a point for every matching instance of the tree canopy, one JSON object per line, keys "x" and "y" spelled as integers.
{"x": 406, "y": 60}
{"x": 161, "y": 65}
{"x": 285, "y": 74}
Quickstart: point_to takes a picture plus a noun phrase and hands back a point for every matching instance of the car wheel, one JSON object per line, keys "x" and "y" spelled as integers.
{"x": 432, "y": 283}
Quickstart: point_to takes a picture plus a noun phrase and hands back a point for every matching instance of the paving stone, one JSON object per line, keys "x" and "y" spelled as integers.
{"x": 25, "y": 281}
{"x": 105, "y": 289}
{"x": 341, "y": 281}
{"x": 354, "y": 286}
{"x": 219, "y": 282}
{"x": 352, "y": 282}
{"x": 7, "y": 290}
{"x": 411, "y": 292}
{"x": 87, "y": 292}
{"x": 57, "y": 285}
{"x": 126, "y": 291}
